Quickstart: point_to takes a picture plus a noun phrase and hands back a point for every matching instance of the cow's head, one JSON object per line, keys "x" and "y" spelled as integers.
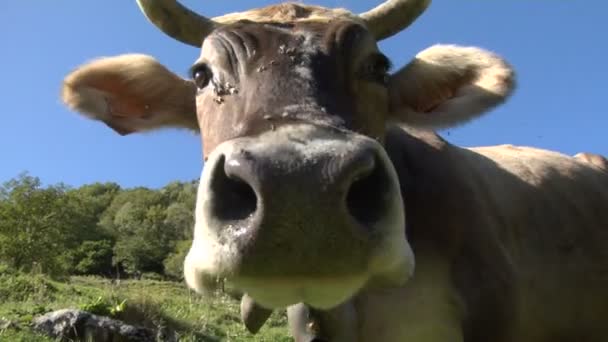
{"x": 298, "y": 200}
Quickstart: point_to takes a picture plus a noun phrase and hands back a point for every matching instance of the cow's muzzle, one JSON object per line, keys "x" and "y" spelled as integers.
{"x": 299, "y": 214}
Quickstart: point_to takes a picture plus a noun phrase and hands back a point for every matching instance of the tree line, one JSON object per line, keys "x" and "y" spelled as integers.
{"x": 95, "y": 229}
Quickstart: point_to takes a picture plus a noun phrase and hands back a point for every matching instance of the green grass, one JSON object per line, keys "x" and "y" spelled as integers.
{"x": 148, "y": 303}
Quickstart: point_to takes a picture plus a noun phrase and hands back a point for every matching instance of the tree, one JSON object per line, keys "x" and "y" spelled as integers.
{"x": 93, "y": 257}
{"x": 90, "y": 251}
{"x": 36, "y": 225}
{"x": 88, "y": 230}
{"x": 136, "y": 218}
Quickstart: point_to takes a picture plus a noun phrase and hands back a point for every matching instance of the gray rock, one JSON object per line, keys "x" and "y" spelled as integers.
{"x": 77, "y": 325}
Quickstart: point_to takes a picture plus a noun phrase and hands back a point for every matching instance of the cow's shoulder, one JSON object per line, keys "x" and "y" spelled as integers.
{"x": 503, "y": 184}
{"x": 537, "y": 173}
{"x": 523, "y": 160}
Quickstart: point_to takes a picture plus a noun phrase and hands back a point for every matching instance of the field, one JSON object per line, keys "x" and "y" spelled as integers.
{"x": 150, "y": 303}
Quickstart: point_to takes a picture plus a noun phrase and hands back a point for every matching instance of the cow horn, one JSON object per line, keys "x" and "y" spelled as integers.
{"x": 393, "y": 16}
{"x": 177, "y": 21}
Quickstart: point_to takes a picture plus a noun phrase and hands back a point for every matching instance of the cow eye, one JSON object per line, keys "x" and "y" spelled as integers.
{"x": 376, "y": 69}
{"x": 201, "y": 75}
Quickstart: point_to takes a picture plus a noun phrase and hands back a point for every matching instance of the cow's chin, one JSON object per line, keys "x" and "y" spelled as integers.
{"x": 208, "y": 261}
{"x": 321, "y": 293}
{"x": 272, "y": 292}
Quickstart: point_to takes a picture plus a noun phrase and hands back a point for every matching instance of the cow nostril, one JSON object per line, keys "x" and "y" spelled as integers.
{"x": 366, "y": 200}
{"x": 235, "y": 198}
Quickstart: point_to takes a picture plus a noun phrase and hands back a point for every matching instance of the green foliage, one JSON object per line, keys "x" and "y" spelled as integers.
{"x": 98, "y": 307}
{"x": 19, "y": 287}
{"x": 147, "y": 224}
{"x": 6, "y": 269}
{"x": 119, "y": 308}
{"x": 145, "y": 240}
{"x": 104, "y": 307}
{"x": 97, "y": 228}
{"x": 93, "y": 257}
{"x": 36, "y": 225}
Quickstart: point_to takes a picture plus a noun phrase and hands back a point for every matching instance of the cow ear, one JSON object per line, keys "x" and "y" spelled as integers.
{"x": 131, "y": 93}
{"x": 447, "y": 85}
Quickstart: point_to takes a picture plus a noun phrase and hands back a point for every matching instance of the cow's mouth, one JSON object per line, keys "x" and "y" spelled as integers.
{"x": 324, "y": 218}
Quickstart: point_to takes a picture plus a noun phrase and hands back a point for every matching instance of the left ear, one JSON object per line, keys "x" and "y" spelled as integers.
{"x": 447, "y": 85}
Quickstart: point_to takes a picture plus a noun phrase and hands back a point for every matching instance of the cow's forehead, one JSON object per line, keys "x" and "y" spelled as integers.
{"x": 295, "y": 18}
{"x": 283, "y": 73}
{"x": 289, "y": 13}
{"x": 307, "y": 35}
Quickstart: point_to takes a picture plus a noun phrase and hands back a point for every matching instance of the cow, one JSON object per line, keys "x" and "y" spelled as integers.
{"x": 594, "y": 159}
{"x": 327, "y": 190}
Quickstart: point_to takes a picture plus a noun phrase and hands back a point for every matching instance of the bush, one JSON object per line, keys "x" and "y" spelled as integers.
{"x": 21, "y": 287}
{"x": 93, "y": 257}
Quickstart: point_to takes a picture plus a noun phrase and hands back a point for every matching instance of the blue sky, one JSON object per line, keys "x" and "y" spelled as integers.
{"x": 558, "y": 48}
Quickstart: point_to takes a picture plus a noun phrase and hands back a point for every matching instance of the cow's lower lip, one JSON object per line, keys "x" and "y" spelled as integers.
{"x": 320, "y": 293}
{"x": 207, "y": 264}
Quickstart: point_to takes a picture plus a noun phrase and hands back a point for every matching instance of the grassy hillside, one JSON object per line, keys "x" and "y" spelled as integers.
{"x": 146, "y": 302}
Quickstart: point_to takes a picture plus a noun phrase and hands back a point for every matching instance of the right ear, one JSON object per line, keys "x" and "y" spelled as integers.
{"x": 131, "y": 93}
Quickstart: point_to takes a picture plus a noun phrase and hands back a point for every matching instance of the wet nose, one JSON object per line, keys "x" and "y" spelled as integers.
{"x": 245, "y": 184}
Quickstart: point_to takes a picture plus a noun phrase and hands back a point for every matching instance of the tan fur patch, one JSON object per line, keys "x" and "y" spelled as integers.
{"x": 593, "y": 159}
{"x": 289, "y": 13}
{"x": 447, "y": 85}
